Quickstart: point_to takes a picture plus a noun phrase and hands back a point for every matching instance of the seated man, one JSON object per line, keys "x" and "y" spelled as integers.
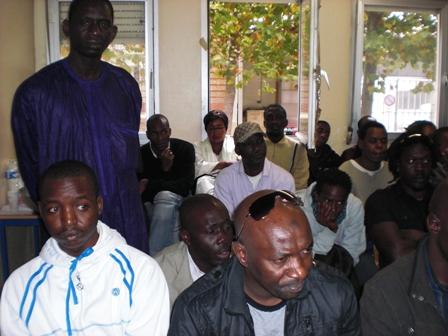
{"x": 167, "y": 176}
{"x": 410, "y": 296}
{"x": 322, "y": 156}
{"x": 369, "y": 171}
{"x": 336, "y": 217}
{"x": 214, "y": 153}
{"x": 206, "y": 234}
{"x": 270, "y": 287}
{"x": 396, "y": 216}
{"x": 283, "y": 151}
{"x": 354, "y": 152}
{"x": 254, "y": 172}
{"x": 86, "y": 278}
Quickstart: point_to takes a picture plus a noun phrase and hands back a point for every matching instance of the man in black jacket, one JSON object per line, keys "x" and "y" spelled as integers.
{"x": 270, "y": 287}
{"x": 167, "y": 177}
{"x": 410, "y": 297}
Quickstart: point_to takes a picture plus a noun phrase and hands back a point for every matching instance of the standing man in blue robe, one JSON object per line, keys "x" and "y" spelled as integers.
{"x": 82, "y": 108}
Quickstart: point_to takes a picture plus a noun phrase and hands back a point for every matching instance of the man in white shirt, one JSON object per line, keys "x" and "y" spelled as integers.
{"x": 86, "y": 279}
{"x": 336, "y": 217}
{"x": 206, "y": 236}
{"x": 254, "y": 172}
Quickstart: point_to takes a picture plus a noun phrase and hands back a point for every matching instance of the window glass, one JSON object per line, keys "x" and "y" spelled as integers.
{"x": 399, "y": 66}
{"x": 253, "y": 59}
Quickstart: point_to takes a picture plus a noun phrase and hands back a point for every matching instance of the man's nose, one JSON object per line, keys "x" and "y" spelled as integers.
{"x": 296, "y": 269}
{"x": 94, "y": 27}
{"x": 68, "y": 216}
{"x": 419, "y": 165}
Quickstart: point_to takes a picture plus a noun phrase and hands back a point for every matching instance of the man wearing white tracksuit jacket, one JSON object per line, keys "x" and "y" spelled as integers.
{"x": 87, "y": 280}
{"x": 118, "y": 289}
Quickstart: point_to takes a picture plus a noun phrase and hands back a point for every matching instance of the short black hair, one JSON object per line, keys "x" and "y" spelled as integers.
{"x": 157, "y": 116}
{"x": 216, "y": 115}
{"x": 417, "y": 126}
{"x": 404, "y": 141}
{"x": 362, "y": 132}
{"x": 196, "y": 202}
{"x": 74, "y": 5}
{"x": 333, "y": 177}
{"x": 276, "y": 108}
{"x": 68, "y": 169}
{"x": 323, "y": 122}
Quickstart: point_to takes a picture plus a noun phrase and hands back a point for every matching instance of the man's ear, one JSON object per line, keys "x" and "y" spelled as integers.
{"x": 185, "y": 237}
{"x": 433, "y": 224}
{"x": 285, "y": 123}
{"x": 100, "y": 204}
{"x": 237, "y": 149}
{"x": 66, "y": 27}
{"x": 114, "y": 33}
{"x": 239, "y": 250}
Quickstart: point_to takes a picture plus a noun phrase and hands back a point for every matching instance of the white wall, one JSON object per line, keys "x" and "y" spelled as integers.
{"x": 335, "y": 52}
{"x": 180, "y": 66}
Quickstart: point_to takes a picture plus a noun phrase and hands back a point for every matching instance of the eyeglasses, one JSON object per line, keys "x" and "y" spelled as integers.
{"x": 263, "y": 205}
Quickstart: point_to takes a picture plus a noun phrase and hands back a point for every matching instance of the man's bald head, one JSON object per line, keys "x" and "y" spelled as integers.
{"x": 197, "y": 205}
{"x": 274, "y": 246}
{"x": 207, "y": 230}
{"x": 283, "y": 199}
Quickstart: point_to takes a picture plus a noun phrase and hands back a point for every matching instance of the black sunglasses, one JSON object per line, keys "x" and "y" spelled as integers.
{"x": 263, "y": 205}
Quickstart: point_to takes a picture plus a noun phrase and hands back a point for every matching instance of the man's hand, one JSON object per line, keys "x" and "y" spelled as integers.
{"x": 142, "y": 184}
{"x": 221, "y": 165}
{"x": 167, "y": 159}
{"x": 326, "y": 215}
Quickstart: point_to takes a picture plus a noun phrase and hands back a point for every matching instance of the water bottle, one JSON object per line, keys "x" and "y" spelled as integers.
{"x": 12, "y": 176}
{"x": 14, "y": 184}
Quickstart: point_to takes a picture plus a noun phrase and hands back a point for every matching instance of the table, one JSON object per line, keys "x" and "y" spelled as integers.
{"x": 17, "y": 220}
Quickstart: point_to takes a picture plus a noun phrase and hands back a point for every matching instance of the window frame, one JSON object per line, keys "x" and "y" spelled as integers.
{"x": 151, "y": 50}
{"x": 441, "y": 6}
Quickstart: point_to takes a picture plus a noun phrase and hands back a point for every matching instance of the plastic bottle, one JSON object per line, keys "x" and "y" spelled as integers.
{"x": 12, "y": 176}
{"x": 14, "y": 185}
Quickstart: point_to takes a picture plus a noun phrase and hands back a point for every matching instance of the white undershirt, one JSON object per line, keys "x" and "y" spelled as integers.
{"x": 195, "y": 272}
{"x": 255, "y": 179}
{"x": 268, "y": 321}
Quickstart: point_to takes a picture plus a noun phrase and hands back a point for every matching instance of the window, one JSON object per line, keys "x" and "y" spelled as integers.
{"x": 132, "y": 48}
{"x": 258, "y": 53}
{"x": 398, "y": 69}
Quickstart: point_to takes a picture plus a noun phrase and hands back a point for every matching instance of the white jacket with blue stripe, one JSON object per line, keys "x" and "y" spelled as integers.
{"x": 111, "y": 289}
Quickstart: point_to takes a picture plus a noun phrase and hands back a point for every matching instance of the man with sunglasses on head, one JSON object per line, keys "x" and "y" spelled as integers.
{"x": 271, "y": 286}
{"x": 254, "y": 172}
{"x": 336, "y": 218}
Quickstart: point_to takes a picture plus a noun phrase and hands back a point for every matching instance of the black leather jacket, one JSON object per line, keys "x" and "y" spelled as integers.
{"x": 216, "y": 305}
